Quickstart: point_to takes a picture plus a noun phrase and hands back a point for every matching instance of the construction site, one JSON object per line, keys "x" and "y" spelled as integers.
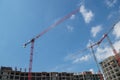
{"x": 110, "y": 69}
{"x": 7, "y": 73}
{"x": 107, "y": 69}
{"x": 110, "y": 66}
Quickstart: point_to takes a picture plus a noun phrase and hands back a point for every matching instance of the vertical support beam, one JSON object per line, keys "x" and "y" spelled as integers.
{"x": 99, "y": 71}
{"x": 83, "y": 75}
{"x": 20, "y": 73}
{"x": 96, "y": 61}
{"x": 114, "y": 50}
{"x": 31, "y": 59}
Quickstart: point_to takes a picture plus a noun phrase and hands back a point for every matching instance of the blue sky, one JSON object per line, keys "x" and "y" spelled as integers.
{"x": 21, "y": 20}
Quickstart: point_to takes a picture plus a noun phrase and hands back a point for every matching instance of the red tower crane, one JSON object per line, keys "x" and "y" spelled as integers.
{"x": 117, "y": 56}
{"x": 42, "y": 33}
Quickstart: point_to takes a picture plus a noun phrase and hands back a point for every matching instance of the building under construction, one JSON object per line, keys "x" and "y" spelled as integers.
{"x": 7, "y": 73}
{"x": 110, "y": 68}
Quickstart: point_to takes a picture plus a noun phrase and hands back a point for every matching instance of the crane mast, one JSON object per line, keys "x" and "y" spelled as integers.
{"x": 31, "y": 59}
{"x": 99, "y": 71}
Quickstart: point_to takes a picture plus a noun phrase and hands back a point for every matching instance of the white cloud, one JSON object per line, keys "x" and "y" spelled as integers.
{"x": 110, "y": 3}
{"x": 117, "y": 45}
{"x": 77, "y": 57}
{"x": 91, "y": 70}
{"x": 81, "y": 59}
{"x": 116, "y": 31}
{"x": 87, "y": 14}
{"x": 70, "y": 28}
{"x": 111, "y": 15}
{"x": 62, "y": 68}
{"x": 96, "y": 30}
{"x": 114, "y": 14}
{"x": 103, "y": 52}
{"x": 106, "y": 51}
{"x": 81, "y": 2}
{"x": 73, "y": 56}
{"x": 119, "y": 10}
{"x": 72, "y": 17}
